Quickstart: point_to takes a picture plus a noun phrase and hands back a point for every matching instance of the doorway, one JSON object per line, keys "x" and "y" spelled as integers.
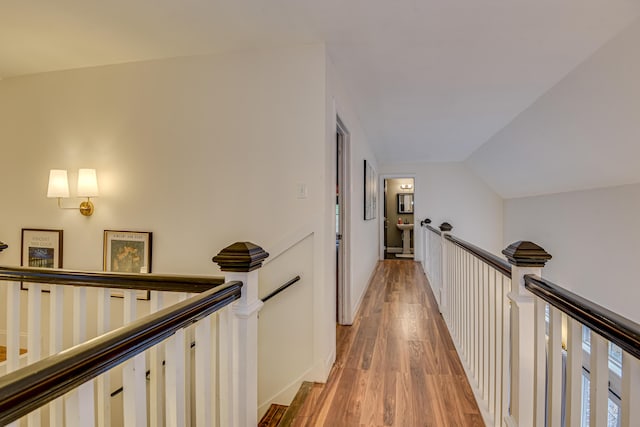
{"x": 398, "y": 218}
{"x": 342, "y": 222}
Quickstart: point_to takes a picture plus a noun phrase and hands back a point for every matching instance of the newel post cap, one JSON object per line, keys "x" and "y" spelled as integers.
{"x": 241, "y": 257}
{"x": 3, "y": 246}
{"x": 526, "y": 254}
{"x": 445, "y": 226}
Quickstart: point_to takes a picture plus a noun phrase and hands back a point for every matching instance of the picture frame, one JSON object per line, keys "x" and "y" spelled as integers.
{"x": 370, "y": 191}
{"x": 128, "y": 252}
{"x": 41, "y": 248}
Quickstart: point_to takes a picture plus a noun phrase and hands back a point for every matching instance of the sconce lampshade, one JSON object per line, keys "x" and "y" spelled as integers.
{"x": 58, "y": 183}
{"x": 87, "y": 183}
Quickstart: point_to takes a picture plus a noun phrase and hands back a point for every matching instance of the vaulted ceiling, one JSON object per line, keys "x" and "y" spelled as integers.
{"x": 431, "y": 80}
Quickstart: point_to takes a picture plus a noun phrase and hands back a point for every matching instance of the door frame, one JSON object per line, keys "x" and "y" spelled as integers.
{"x": 343, "y": 297}
{"x": 417, "y": 240}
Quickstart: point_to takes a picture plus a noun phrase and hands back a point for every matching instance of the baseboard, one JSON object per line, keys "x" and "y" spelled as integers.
{"x": 284, "y": 396}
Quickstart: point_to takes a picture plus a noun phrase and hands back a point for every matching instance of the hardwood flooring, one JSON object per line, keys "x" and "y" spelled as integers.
{"x": 3, "y": 353}
{"x": 396, "y": 365}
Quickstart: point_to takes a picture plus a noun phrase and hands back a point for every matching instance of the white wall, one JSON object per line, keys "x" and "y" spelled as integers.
{"x": 581, "y": 134}
{"x": 451, "y": 192}
{"x": 201, "y": 151}
{"x": 593, "y": 237}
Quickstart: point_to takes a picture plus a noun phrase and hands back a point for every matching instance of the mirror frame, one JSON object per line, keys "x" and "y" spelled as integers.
{"x": 402, "y": 209}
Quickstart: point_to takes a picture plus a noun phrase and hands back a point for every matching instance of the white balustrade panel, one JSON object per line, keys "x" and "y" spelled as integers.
{"x": 173, "y": 383}
{"x": 478, "y": 318}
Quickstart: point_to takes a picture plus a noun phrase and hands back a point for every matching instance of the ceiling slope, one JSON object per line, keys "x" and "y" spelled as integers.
{"x": 431, "y": 80}
{"x": 583, "y": 133}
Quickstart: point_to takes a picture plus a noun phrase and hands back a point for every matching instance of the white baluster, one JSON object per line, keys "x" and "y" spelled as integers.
{"x": 56, "y": 333}
{"x": 133, "y": 375}
{"x": 79, "y": 408}
{"x": 474, "y": 324}
{"x": 506, "y": 287}
{"x": 540, "y": 375}
{"x": 174, "y": 380}
{"x": 554, "y": 391}
{"x": 103, "y": 383}
{"x": 598, "y": 381}
{"x": 79, "y": 403}
{"x": 573, "y": 398}
{"x": 630, "y": 390}
{"x": 34, "y": 334}
{"x": 204, "y": 393}
{"x": 156, "y": 380}
{"x": 13, "y": 326}
{"x": 13, "y": 330}
{"x": 492, "y": 308}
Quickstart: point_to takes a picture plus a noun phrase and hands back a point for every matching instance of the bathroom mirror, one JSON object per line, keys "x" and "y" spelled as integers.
{"x": 405, "y": 203}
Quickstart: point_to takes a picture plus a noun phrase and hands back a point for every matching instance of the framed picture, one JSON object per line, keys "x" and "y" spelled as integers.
{"x": 370, "y": 191}
{"x": 41, "y": 248}
{"x": 128, "y": 252}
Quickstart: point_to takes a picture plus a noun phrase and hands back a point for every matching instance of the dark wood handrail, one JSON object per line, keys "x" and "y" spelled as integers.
{"x": 29, "y": 388}
{"x": 281, "y": 288}
{"x": 617, "y": 329}
{"x": 494, "y": 261}
{"x": 151, "y": 282}
{"x": 3, "y": 246}
{"x": 435, "y": 230}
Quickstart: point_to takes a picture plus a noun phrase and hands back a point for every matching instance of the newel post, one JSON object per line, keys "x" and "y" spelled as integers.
{"x": 426, "y": 253}
{"x": 445, "y": 228}
{"x": 239, "y": 333}
{"x": 525, "y": 258}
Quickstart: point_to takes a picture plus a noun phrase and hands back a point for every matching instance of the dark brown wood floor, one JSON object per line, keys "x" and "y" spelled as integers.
{"x": 396, "y": 366}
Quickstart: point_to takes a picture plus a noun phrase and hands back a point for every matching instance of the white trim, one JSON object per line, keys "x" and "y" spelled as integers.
{"x": 344, "y": 296}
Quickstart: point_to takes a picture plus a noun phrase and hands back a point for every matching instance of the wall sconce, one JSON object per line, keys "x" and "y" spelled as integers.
{"x": 406, "y": 186}
{"x": 87, "y": 187}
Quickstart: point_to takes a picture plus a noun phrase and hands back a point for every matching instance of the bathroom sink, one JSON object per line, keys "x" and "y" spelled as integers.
{"x": 405, "y": 226}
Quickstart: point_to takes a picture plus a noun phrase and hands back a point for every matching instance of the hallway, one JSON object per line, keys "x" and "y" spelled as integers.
{"x": 396, "y": 366}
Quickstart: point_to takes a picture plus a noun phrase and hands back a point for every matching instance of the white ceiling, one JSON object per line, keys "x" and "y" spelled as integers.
{"x": 432, "y": 80}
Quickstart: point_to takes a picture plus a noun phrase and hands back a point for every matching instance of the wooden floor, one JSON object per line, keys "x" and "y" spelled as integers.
{"x": 3, "y": 353}
{"x": 396, "y": 366}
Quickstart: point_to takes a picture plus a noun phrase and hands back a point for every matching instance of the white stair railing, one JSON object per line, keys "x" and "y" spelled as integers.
{"x": 535, "y": 354}
{"x": 160, "y": 386}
